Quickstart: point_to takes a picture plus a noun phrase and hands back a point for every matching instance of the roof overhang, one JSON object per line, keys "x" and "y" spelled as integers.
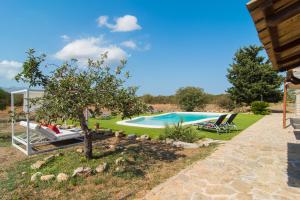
{"x": 278, "y": 26}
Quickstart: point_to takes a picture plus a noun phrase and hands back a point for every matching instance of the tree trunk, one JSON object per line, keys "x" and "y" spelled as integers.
{"x": 88, "y": 147}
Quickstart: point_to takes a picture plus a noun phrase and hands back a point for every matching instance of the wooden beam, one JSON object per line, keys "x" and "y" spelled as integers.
{"x": 284, "y": 14}
{"x": 289, "y": 59}
{"x": 289, "y": 66}
{"x": 284, "y": 105}
{"x": 287, "y": 46}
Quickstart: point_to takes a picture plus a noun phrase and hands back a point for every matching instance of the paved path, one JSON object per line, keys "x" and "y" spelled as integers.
{"x": 263, "y": 162}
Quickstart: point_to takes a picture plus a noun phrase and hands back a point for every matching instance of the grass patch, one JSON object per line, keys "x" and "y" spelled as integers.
{"x": 147, "y": 164}
{"x": 242, "y": 121}
{"x": 5, "y": 139}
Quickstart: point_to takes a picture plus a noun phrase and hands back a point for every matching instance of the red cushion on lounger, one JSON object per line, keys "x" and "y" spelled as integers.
{"x": 210, "y": 125}
{"x": 54, "y": 128}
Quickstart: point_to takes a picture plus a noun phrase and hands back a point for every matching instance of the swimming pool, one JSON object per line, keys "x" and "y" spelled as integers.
{"x": 160, "y": 121}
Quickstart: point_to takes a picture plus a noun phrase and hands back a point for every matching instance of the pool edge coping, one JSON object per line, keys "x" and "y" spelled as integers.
{"x": 125, "y": 122}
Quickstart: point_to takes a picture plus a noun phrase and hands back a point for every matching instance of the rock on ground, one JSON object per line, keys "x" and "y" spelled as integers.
{"x": 119, "y": 169}
{"x": 49, "y": 158}
{"x": 82, "y": 171}
{"x": 119, "y": 134}
{"x": 169, "y": 141}
{"x": 35, "y": 176}
{"x": 144, "y": 137}
{"x": 62, "y": 177}
{"x": 131, "y": 136}
{"x": 186, "y": 145}
{"x": 47, "y": 177}
{"x": 38, "y": 164}
{"x": 101, "y": 168}
{"x": 59, "y": 154}
{"x": 80, "y": 150}
{"x": 120, "y": 161}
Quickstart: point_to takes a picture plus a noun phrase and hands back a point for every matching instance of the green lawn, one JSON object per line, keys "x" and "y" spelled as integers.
{"x": 242, "y": 121}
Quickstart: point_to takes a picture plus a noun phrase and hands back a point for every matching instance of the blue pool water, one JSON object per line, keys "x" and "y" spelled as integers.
{"x": 172, "y": 118}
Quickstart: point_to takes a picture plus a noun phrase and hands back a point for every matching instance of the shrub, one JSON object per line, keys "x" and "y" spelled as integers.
{"x": 260, "y": 108}
{"x": 180, "y": 132}
{"x": 225, "y": 102}
{"x": 190, "y": 98}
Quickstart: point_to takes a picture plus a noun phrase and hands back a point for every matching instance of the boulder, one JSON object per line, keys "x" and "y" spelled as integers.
{"x": 38, "y": 164}
{"x": 169, "y": 141}
{"x": 82, "y": 171}
{"x": 120, "y": 161}
{"x": 49, "y": 158}
{"x": 47, "y": 177}
{"x": 186, "y": 145}
{"x": 131, "y": 136}
{"x": 62, "y": 177}
{"x": 119, "y": 134}
{"x": 101, "y": 168}
{"x": 59, "y": 154}
{"x": 119, "y": 169}
{"x": 145, "y": 137}
{"x": 80, "y": 150}
{"x": 207, "y": 141}
{"x": 35, "y": 176}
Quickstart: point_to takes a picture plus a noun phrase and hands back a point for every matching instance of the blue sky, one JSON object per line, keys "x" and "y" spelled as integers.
{"x": 168, "y": 44}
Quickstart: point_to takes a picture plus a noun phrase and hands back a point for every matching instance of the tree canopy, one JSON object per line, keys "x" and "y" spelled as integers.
{"x": 31, "y": 72}
{"x": 252, "y": 77}
{"x": 190, "y": 98}
{"x": 71, "y": 89}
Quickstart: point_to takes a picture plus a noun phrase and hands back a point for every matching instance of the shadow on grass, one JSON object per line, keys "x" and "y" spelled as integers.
{"x": 149, "y": 149}
{"x": 5, "y": 140}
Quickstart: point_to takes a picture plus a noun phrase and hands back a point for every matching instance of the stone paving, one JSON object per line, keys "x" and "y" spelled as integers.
{"x": 263, "y": 162}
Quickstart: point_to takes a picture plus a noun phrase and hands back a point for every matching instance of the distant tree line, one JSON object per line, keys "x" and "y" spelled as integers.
{"x": 160, "y": 99}
{"x": 5, "y": 99}
{"x": 252, "y": 79}
{"x": 189, "y": 98}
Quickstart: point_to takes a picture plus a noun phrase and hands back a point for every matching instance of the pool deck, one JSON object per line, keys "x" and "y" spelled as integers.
{"x": 262, "y": 162}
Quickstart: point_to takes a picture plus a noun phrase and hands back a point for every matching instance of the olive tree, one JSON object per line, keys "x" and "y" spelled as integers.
{"x": 190, "y": 98}
{"x": 71, "y": 89}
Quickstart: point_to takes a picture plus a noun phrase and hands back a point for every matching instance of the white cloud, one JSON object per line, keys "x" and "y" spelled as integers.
{"x": 139, "y": 46}
{"x": 122, "y": 24}
{"x": 65, "y": 37}
{"x": 93, "y": 48}
{"x": 129, "y": 44}
{"x": 9, "y": 69}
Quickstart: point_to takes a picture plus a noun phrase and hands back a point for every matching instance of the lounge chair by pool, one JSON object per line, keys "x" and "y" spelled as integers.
{"x": 217, "y": 125}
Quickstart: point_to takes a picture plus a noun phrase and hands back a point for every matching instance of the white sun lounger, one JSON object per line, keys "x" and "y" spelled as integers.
{"x": 51, "y": 135}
